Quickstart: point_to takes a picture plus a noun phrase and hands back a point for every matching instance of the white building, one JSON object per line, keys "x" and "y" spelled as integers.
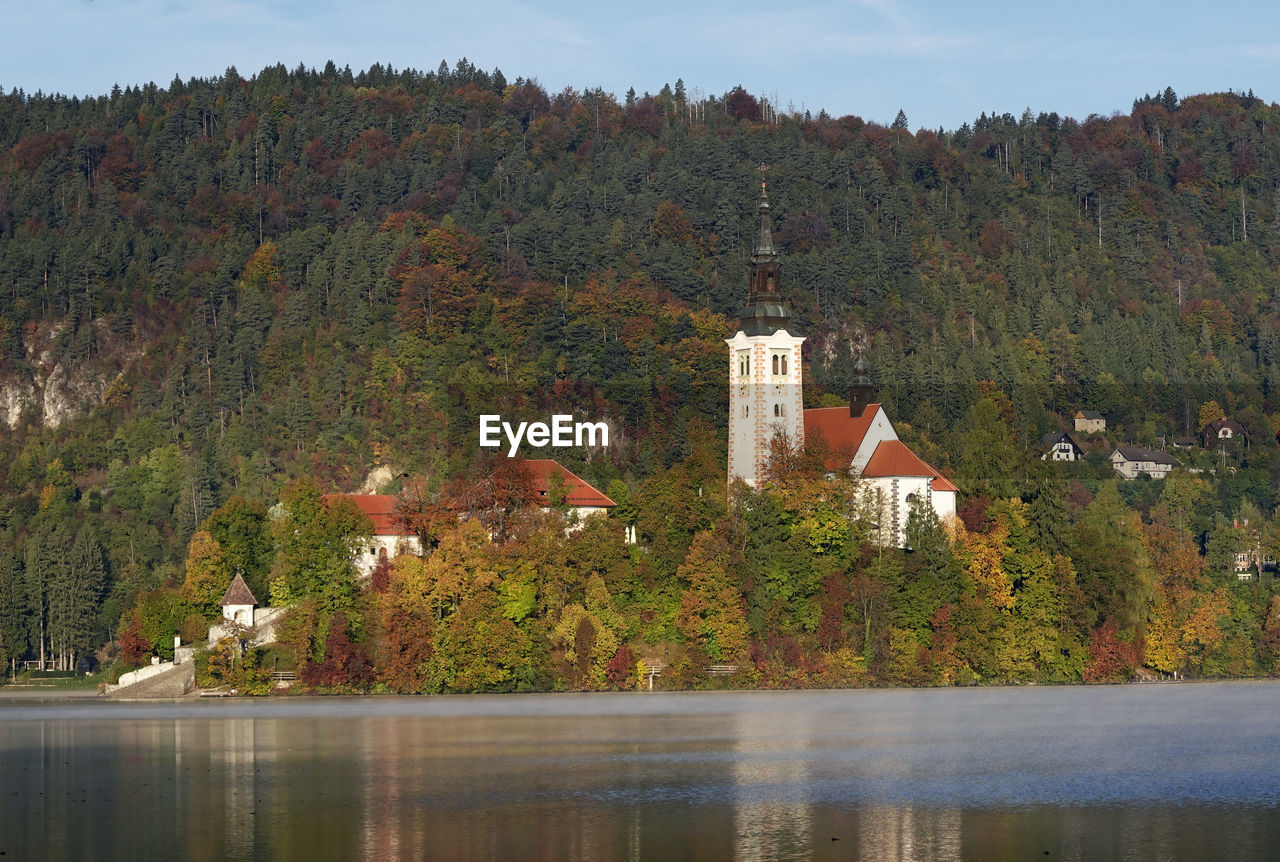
{"x": 238, "y": 603}
{"x": 1060, "y": 446}
{"x": 1134, "y": 461}
{"x": 764, "y": 367}
{"x": 765, "y": 400}
{"x": 390, "y": 536}
{"x": 862, "y": 440}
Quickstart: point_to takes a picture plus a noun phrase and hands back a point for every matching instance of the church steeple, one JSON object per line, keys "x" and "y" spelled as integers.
{"x": 764, "y": 314}
{"x": 766, "y": 367}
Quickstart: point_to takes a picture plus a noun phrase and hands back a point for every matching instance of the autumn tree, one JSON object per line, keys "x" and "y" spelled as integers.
{"x": 711, "y": 616}
{"x": 208, "y": 574}
{"x": 406, "y": 621}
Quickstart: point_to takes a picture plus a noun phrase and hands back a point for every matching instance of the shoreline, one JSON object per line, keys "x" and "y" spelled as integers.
{"x": 34, "y": 694}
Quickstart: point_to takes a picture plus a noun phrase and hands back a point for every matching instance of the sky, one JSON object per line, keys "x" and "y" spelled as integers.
{"x": 942, "y": 63}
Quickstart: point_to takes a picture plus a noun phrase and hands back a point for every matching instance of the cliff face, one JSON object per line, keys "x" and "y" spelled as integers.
{"x": 54, "y": 388}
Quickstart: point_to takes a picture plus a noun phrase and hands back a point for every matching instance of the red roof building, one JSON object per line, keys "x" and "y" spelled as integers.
{"x": 380, "y": 509}
{"x": 578, "y": 493}
{"x": 390, "y": 536}
{"x": 893, "y": 458}
{"x": 861, "y": 439}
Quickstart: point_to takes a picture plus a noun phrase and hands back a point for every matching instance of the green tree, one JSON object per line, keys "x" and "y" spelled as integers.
{"x": 1112, "y": 564}
{"x": 13, "y": 629}
{"x": 316, "y": 540}
{"x": 243, "y": 533}
{"x": 711, "y": 616}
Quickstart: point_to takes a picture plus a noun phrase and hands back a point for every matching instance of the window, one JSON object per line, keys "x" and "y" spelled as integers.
{"x": 744, "y": 363}
{"x": 775, "y": 364}
{"x": 777, "y": 410}
{"x": 779, "y": 364}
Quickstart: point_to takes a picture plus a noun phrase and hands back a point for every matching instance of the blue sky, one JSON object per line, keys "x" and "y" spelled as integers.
{"x": 942, "y": 63}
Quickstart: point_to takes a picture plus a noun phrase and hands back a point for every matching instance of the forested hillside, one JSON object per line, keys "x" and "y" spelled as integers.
{"x": 220, "y": 292}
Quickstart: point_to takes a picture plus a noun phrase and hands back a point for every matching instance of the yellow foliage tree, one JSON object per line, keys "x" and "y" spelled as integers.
{"x": 208, "y": 573}
{"x": 1209, "y": 412}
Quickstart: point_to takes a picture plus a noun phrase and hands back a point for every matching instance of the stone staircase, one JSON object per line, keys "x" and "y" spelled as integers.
{"x": 174, "y": 681}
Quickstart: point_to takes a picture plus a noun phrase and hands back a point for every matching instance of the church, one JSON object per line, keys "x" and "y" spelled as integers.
{"x": 765, "y": 400}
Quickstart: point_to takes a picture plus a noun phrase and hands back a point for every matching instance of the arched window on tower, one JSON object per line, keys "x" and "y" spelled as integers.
{"x": 778, "y": 363}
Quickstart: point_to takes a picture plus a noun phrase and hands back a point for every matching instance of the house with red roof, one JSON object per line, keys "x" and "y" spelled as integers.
{"x": 551, "y": 485}
{"x": 765, "y": 384}
{"x": 390, "y": 535}
{"x": 556, "y": 486}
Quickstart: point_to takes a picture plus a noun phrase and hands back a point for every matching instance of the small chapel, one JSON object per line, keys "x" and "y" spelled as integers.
{"x": 765, "y": 400}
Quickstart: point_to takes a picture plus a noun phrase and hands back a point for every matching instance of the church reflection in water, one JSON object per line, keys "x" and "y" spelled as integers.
{"x": 771, "y": 804}
{"x": 777, "y": 817}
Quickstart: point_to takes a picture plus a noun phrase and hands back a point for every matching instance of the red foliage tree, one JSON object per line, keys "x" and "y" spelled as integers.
{"x": 618, "y": 672}
{"x": 1110, "y": 658}
{"x": 741, "y": 105}
{"x": 406, "y": 647}
{"x": 133, "y": 643}
{"x": 345, "y": 661}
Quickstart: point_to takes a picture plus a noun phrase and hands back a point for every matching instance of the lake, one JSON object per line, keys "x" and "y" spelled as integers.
{"x": 1163, "y": 771}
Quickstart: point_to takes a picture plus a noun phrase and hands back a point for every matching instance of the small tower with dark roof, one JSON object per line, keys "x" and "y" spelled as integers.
{"x": 862, "y": 393}
{"x": 764, "y": 365}
{"x": 238, "y": 602}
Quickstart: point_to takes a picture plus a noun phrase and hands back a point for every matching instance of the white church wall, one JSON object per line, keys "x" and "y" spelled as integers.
{"x": 880, "y": 431}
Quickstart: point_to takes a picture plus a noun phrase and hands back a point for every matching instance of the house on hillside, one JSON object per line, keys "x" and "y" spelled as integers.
{"x": 1134, "y": 461}
{"x": 1249, "y": 561}
{"x": 1090, "y": 422}
{"x": 1060, "y": 446}
{"x": 549, "y": 486}
{"x": 1222, "y": 431}
{"x": 390, "y": 534}
{"x": 559, "y": 487}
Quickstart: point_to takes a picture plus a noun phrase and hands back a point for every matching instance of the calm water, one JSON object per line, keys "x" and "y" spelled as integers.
{"x": 1167, "y": 772}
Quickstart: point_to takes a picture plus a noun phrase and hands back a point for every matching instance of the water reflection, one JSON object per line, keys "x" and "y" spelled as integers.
{"x": 771, "y": 808}
{"x": 1179, "y": 774}
{"x": 901, "y": 833}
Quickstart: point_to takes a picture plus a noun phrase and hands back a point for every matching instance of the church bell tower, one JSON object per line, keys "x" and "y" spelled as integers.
{"x": 764, "y": 366}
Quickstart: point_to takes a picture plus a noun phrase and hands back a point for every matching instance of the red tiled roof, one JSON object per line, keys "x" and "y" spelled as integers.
{"x": 842, "y": 432}
{"x": 238, "y": 593}
{"x": 379, "y": 507}
{"x": 577, "y": 491}
{"x": 893, "y": 458}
